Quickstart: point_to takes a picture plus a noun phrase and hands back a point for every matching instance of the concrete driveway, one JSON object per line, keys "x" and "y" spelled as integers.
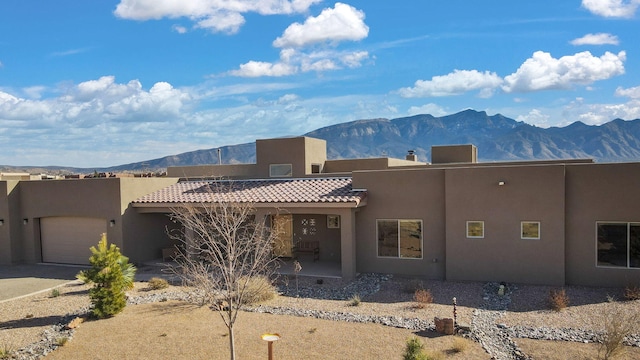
{"x": 20, "y": 280}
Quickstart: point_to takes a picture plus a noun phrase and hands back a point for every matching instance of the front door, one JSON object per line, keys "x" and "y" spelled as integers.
{"x": 283, "y": 226}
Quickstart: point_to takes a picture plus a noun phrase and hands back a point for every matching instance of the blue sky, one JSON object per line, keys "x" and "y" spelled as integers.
{"x": 101, "y": 83}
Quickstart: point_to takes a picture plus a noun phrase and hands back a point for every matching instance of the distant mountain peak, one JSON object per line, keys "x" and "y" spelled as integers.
{"x": 496, "y": 136}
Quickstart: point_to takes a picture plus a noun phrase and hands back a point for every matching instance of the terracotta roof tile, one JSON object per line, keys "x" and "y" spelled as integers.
{"x": 310, "y": 190}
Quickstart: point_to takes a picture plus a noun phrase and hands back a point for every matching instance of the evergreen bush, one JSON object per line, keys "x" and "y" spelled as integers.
{"x": 414, "y": 350}
{"x": 112, "y": 275}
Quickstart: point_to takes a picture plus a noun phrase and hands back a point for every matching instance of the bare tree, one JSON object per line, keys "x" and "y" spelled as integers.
{"x": 227, "y": 255}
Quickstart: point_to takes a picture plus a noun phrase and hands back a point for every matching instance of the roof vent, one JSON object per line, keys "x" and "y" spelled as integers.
{"x": 411, "y": 155}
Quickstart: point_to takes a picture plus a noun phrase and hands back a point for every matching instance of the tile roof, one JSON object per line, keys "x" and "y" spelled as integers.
{"x": 308, "y": 190}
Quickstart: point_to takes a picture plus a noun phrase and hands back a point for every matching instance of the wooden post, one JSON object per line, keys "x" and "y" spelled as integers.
{"x": 270, "y": 338}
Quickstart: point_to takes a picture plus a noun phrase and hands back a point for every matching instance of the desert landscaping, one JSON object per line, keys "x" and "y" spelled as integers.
{"x": 319, "y": 320}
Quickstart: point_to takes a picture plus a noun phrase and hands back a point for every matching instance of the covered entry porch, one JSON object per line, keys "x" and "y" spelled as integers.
{"x": 321, "y": 239}
{"x": 314, "y": 213}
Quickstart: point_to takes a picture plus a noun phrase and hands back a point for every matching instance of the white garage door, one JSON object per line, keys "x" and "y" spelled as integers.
{"x": 67, "y": 240}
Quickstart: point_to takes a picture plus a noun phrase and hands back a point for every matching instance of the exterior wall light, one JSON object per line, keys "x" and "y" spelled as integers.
{"x": 25, "y": 221}
{"x": 501, "y": 183}
{"x": 112, "y": 223}
{"x": 1, "y": 222}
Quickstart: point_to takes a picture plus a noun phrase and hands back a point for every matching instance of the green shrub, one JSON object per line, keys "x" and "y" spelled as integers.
{"x": 258, "y": 289}
{"x": 422, "y": 298}
{"x": 156, "y": 283}
{"x": 61, "y": 341}
{"x": 558, "y": 299}
{"x": 414, "y": 350}
{"x": 54, "y": 293}
{"x": 354, "y": 300}
{"x": 111, "y": 275}
{"x": 5, "y": 352}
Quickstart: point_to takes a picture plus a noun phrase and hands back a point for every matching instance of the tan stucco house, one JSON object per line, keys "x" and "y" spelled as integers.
{"x": 539, "y": 222}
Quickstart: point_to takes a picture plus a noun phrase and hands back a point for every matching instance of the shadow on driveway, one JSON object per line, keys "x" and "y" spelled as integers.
{"x": 21, "y": 280}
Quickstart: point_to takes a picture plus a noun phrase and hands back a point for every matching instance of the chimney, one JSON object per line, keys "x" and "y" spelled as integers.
{"x": 411, "y": 155}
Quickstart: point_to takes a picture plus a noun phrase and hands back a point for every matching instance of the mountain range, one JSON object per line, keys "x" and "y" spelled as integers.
{"x": 498, "y": 138}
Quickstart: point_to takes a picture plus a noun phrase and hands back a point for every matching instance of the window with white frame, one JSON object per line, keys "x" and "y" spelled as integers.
{"x": 530, "y": 230}
{"x": 618, "y": 244}
{"x": 280, "y": 170}
{"x": 399, "y": 238}
{"x": 475, "y": 229}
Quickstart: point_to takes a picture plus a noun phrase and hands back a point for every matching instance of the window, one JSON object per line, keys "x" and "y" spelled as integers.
{"x": 280, "y": 170}
{"x": 333, "y": 221}
{"x": 475, "y": 229}
{"x": 530, "y": 230}
{"x": 618, "y": 244}
{"x": 400, "y": 238}
{"x": 316, "y": 168}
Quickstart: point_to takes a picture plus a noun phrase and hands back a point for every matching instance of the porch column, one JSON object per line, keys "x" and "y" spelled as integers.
{"x": 348, "y": 243}
{"x": 261, "y": 215}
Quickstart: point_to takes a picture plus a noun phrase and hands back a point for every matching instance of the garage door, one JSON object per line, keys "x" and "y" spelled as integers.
{"x": 67, "y": 240}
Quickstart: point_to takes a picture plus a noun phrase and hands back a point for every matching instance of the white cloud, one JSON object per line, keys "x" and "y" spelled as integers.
{"x": 214, "y": 15}
{"x": 342, "y": 23}
{"x": 288, "y": 98}
{"x": 612, "y": 8}
{"x": 598, "y": 114}
{"x": 103, "y": 122}
{"x": 69, "y": 52}
{"x": 261, "y": 68}
{"x": 355, "y": 59}
{"x": 431, "y": 108}
{"x": 455, "y": 83}
{"x": 34, "y": 92}
{"x": 535, "y": 117}
{"x": 633, "y": 93}
{"x": 543, "y": 72}
{"x": 227, "y": 22}
{"x": 320, "y": 65}
{"x": 93, "y": 102}
{"x": 596, "y": 39}
{"x": 293, "y": 62}
{"x": 179, "y": 29}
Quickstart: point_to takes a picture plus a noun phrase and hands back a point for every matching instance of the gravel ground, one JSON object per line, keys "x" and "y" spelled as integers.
{"x": 530, "y": 307}
{"x": 24, "y": 321}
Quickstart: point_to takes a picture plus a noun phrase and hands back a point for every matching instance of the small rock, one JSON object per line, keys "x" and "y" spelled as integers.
{"x": 74, "y": 323}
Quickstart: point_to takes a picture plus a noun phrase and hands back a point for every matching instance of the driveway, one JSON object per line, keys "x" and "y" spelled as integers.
{"x": 21, "y": 280}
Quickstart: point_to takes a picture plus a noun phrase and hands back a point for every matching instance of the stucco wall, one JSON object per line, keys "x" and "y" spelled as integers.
{"x": 529, "y": 193}
{"x": 315, "y": 153}
{"x": 454, "y": 154}
{"x": 144, "y": 234}
{"x": 313, "y": 227}
{"x": 96, "y": 198}
{"x": 5, "y": 228}
{"x": 407, "y": 194}
{"x": 104, "y": 198}
{"x": 348, "y": 165}
{"x": 238, "y": 171}
{"x": 599, "y": 192}
{"x": 300, "y": 152}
